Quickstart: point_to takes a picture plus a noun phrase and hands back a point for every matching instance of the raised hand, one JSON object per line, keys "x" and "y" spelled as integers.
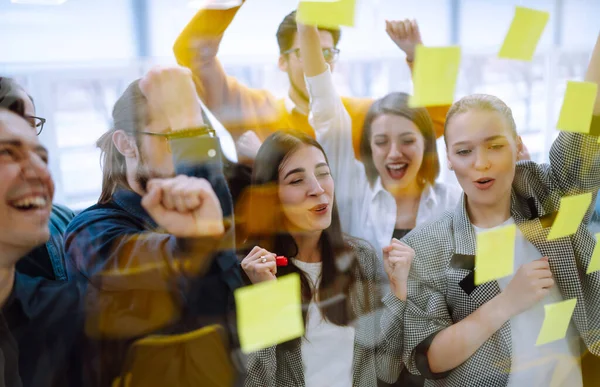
{"x": 260, "y": 265}
{"x": 405, "y": 34}
{"x": 397, "y": 259}
{"x": 171, "y": 93}
{"x": 185, "y": 207}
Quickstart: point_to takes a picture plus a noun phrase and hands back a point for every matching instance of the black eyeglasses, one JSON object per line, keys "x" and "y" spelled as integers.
{"x": 331, "y": 55}
{"x": 36, "y": 122}
{"x": 187, "y": 133}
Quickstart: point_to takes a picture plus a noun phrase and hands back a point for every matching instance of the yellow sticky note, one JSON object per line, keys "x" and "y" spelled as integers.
{"x": 524, "y": 34}
{"x": 570, "y": 215}
{"x": 578, "y": 107}
{"x": 556, "y": 321}
{"x": 269, "y": 313}
{"x": 495, "y": 255}
{"x": 327, "y": 13}
{"x": 595, "y": 261}
{"x": 435, "y": 72}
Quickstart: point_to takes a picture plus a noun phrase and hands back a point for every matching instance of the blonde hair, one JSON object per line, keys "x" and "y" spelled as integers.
{"x": 482, "y": 102}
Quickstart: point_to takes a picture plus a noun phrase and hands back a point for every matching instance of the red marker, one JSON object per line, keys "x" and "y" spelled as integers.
{"x": 281, "y": 261}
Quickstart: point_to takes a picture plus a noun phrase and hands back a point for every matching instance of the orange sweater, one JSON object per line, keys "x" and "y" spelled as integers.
{"x": 240, "y": 108}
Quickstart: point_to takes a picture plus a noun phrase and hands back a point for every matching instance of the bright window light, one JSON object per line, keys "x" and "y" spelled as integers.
{"x": 39, "y": 2}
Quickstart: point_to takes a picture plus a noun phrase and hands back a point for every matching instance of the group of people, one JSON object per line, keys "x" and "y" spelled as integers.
{"x": 137, "y": 290}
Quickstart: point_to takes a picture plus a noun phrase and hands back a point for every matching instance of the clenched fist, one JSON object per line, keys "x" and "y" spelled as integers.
{"x": 260, "y": 265}
{"x": 185, "y": 207}
{"x": 531, "y": 283}
{"x": 397, "y": 259}
{"x": 171, "y": 94}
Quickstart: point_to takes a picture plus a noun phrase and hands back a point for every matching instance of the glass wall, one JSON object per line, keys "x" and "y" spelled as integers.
{"x": 75, "y": 59}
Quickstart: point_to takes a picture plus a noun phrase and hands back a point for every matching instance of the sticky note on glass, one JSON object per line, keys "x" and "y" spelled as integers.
{"x": 524, "y": 34}
{"x": 435, "y": 72}
{"x": 594, "y": 265}
{"x": 269, "y": 313}
{"x": 495, "y": 254}
{"x": 570, "y": 215}
{"x": 578, "y": 107}
{"x": 327, "y": 13}
{"x": 556, "y": 321}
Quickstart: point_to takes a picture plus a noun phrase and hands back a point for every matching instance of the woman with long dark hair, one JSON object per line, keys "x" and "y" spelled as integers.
{"x": 293, "y": 212}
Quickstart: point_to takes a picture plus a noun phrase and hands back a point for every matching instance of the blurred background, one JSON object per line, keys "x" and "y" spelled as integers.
{"x": 75, "y": 57}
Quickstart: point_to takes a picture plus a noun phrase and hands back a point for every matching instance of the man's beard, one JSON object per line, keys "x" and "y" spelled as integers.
{"x": 143, "y": 174}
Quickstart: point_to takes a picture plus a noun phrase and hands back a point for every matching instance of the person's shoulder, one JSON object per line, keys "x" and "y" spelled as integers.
{"x": 61, "y": 216}
{"x": 364, "y": 253}
{"x": 98, "y": 214}
{"x": 432, "y": 236}
{"x": 358, "y": 245}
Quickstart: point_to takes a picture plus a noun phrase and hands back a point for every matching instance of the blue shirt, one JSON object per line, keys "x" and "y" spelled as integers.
{"x": 48, "y": 260}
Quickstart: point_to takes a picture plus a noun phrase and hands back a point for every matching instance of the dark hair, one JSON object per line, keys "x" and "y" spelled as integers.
{"x": 397, "y": 104}
{"x": 287, "y": 32}
{"x": 10, "y": 98}
{"x": 336, "y": 277}
{"x": 130, "y": 114}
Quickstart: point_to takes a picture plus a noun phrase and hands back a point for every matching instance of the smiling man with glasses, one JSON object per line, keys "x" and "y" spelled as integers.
{"x": 47, "y": 260}
{"x": 251, "y": 115}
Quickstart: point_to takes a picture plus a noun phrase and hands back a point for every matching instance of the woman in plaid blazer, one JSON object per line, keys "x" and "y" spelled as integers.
{"x": 460, "y": 334}
{"x": 293, "y": 213}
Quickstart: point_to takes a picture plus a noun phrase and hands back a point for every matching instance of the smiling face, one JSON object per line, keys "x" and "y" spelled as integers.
{"x": 306, "y": 190}
{"x": 482, "y": 151}
{"x": 27, "y": 188}
{"x": 397, "y": 146}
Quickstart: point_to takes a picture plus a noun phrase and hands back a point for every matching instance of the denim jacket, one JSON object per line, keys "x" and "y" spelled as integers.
{"x": 130, "y": 268}
{"x": 48, "y": 260}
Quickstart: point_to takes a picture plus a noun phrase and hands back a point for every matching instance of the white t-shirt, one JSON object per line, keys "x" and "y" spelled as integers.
{"x": 327, "y": 349}
{"x": 553, "y": 364}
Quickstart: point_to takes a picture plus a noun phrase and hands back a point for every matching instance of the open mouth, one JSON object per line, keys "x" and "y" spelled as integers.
{"x": 320, "y": 209}
{"x": 484, "y": 182}
{"x": 397, "y": 170}
{"x": 30, "y": 203}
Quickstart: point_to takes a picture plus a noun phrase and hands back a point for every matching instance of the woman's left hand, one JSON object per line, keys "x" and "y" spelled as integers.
{"x": 397, "y": 259}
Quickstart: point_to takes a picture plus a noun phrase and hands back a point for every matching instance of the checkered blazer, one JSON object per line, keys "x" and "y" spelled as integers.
{"x": 441, "y": 288}
{"x": 281, "y": 366}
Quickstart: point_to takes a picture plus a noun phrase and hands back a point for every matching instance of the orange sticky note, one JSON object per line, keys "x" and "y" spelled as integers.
{"x": 556, "y": 321}
{"x": 594, "y": 265}
{"x": 578, "y": 107}
{"x": 435, "y": 72}
{"x": 524, "y": 34}
{"x": 269, "y": 313}
{"x": 570, "y": 215}
{"x": 327, "y": 13}
{"x": 495, "y": 254}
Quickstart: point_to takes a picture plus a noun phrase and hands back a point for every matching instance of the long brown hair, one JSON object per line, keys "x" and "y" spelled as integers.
{"x": 337, "y": 278}
{"x": 130, "y": 114}
{"x": 397, "y": 104}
